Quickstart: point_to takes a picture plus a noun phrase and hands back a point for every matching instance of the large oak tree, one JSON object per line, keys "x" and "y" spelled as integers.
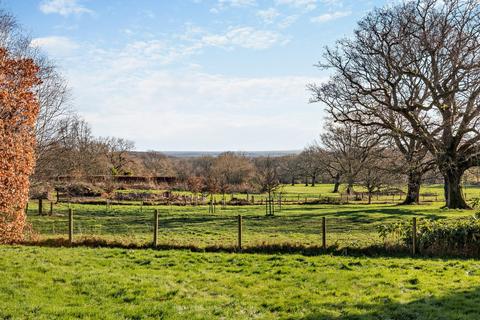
{"x": 416, "y": 64}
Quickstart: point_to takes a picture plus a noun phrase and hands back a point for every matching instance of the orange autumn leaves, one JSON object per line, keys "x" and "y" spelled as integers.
{"x": 18, "y": 112}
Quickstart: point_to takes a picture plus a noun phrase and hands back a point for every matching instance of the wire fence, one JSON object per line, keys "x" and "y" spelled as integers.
{"x": 199, "y": 228}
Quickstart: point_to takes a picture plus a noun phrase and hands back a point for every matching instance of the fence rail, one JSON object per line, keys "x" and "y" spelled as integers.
{"x": 158, "y": 227}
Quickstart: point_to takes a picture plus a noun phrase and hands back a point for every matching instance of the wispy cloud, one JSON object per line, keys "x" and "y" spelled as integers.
{"x": 268, "y": 15}
{"x": 182, "y": 107}
{"x": 63, "y": 7}
{"x": 330, "y": 16}
{"x": 224, "y": 4}
{"x": 307, "y": 5}
{"x": 245, "y": 37}
{"x": 56, "y": 46}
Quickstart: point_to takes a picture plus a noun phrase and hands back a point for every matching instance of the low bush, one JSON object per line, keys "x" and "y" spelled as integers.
{"x": 460, "y": 236}
{"x": 39, "y": 191}
{"x": 79, "y": 190}
{"x": 239, "y": 202}
{"x": 135, "y": 196}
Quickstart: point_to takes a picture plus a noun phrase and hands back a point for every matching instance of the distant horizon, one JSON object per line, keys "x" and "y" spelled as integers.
{"x": 199, "y": 153}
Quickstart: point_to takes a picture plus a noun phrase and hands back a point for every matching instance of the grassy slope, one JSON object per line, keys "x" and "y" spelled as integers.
{"x": 56, "y": 283}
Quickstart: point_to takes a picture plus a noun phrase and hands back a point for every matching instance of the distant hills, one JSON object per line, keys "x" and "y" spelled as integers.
{"x": 252, "y": 154}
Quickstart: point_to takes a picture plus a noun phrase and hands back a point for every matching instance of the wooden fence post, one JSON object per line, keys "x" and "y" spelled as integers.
{"x": 40, "y": 206}
{"x": 240, "y": 232}
{"x": 324, "y": 233}
{"x": 414, "y": 235}
{"x": 155, "y": 229}
{"x": 70, "y": 225}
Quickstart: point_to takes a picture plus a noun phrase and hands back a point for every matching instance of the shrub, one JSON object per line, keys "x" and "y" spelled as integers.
{"x": 460, "y": 236}
{"x": 135, "y": 196}
{"x": 238, "y": 202}
{"x": 40, "y": 191}
{"x": 79, "y": 190}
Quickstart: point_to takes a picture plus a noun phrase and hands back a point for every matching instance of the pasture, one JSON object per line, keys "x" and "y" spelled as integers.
{"x": 85, "y": 283}
{"x": 41, "y": 282}
{"x": 353, "y": 225}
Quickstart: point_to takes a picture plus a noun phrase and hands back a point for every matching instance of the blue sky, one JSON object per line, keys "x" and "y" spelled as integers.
{"x": 193, "y": 74}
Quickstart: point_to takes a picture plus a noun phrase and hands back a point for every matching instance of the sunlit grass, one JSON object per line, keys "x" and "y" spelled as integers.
{"x": 68, "y": 283}
{"x": 352, "y": 225}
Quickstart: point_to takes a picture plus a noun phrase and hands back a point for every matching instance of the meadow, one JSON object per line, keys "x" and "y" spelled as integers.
{"x": 103, "y": 283}
{"x": 81, "y": 282}
{"x": 352, "y": 225}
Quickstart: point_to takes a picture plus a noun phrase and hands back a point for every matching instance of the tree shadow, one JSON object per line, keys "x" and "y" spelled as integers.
{"x": 457, "y": 305}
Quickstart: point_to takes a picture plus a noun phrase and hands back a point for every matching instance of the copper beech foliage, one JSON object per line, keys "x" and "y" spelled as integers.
{"x": 18, "y": 112}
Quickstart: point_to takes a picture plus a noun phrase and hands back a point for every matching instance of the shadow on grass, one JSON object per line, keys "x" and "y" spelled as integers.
{"x": 261, "y": 248}
{"x": 456, "y": 305}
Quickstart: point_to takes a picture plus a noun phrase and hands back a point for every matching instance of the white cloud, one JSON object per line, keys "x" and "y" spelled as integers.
{"x": 268, "y": 15}
{"x": 193, "y": 110}
{"x": 133, "y": 93}
{"x": 63, "y": 7}
{"x": 224, "y": 4}
{"x": 330, "y": 16}
{"x": 245, "y": 37}
{"x": 307, "y": 5}
{"x": 237, "y": 3}
{"x": 288, "y": 21}
{"x": 56, "y": 46}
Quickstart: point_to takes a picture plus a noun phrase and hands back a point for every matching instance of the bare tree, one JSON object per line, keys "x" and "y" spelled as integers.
{"x": 377, "y": 171}
{"x": 310, "y": 163}
{"x": 268, "y": 178}
{"x": 204, "y": 167}
{"x": 51, "y": 91}
{"x": 75, "y": 151}
{"x": 290, "y": 168}
{"x": 417, "y": 161}
{"x": 329, "y": 165}
{"x": 117, "y": 152}
{"x": 231, "y": 170}
{"x": 157, "y": 164}
{"x": 419, "y": 62}
{"x": 349, "y": 147}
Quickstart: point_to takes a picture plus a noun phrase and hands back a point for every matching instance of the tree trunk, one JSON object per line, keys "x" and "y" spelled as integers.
{"x": 336, "y": 182}
{"x": 453, "y": 190}
{"x": 349, "y": 189}
{"x": 413, "y": 188}
{"x": 293, "y": 181}
{"x": 313, "y": 180}
{"x": 369, "y": 197}
{"x": 306, "y": 182}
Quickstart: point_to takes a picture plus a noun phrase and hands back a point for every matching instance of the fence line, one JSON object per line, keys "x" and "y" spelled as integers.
{"x": 337, "y": 227}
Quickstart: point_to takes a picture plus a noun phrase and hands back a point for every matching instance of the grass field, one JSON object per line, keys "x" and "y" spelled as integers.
{"x": 300, "y": 192}
{"x": 352, "y": 225}
{"x": 83, "y": 283}
{"x": 119, "y": 283}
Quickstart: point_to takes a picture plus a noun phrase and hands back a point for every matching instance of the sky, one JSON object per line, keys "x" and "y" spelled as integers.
{"x": 204, "y": 75}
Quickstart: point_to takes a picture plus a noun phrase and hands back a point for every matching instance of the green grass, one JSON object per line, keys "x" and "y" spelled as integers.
{"x": 117, "y": 283}
{"x": 83, "y": 283}
{"x": 300, "y": 192}
{"x": 353, "y": 225}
